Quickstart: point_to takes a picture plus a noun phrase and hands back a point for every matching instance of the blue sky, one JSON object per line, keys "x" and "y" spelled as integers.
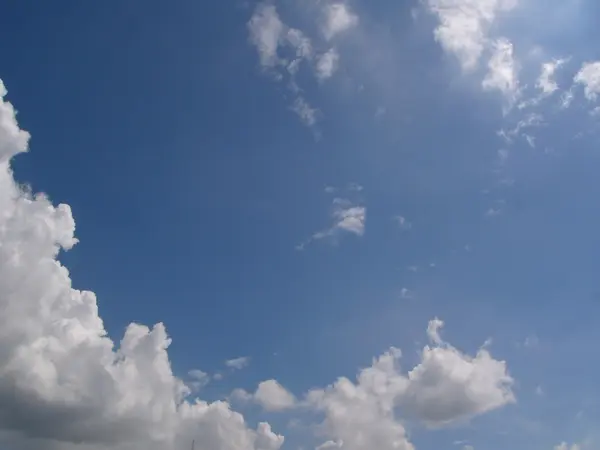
{"x": 299, "y": 191}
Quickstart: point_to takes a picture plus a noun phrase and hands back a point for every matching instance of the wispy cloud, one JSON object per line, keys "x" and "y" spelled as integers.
{"x": 464, "y": 24}
{"x": 502, "y": 71}
{"x": 338, "y": 18}
{"x": 238, "y": 363}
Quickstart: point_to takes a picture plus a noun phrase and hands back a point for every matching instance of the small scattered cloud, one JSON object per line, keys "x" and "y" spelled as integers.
{"x": 566, "y": 98}
{"x": 433, "y": 331}
{"x": 238, "y": 363}
{"x": 589, "y": 77}
{"x": 348, "y": 218}
{"x": 546, "y": 82}
{"x": 266, "y": 31}
{"x": 502, "y": 71}
{"x": 270, "y": 395}
{"x": 327, "y": 64}
{"x": 270, "y": 36}
{"x": 199, "y": 379}
{"x": 338, "y": 18}
{"x": 464, "y": 24}
{"x": 306, "y": 113}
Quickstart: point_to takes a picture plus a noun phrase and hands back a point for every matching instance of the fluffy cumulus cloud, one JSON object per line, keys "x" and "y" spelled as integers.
{"x": 464, "y": 25}
{"x": 269, "y": 394}
{"x": 447, "y": 386}
{"x": 63, "y": 381}
{"x": 273, "y": 396}
{"x": 589, "y": 77}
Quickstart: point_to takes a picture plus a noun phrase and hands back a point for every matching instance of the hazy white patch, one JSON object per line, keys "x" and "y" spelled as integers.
{"x": 306, "y": 113}
{"x": 406, "y": 294}
{"x": 266, "y": 30}
{"x": 338, "y": 18}
{"x": 502, "y": 71}
{"x": 546, "y": 82}
{"x": 327, "y": 64}
{"x": 238, "y": 363}
{"x": 463, "y": 26}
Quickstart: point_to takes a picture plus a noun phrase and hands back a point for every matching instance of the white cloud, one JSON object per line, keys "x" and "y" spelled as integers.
{"x": 531, "y": 120}
{"x": 327, "y": 64}
{"x": 433, "y": 331}
{"x": 338, "y": 18}
{"x": 546, "y": 82}
{"x": 272, "y": 396}
{"x": 566, "y": 98}
{"x": 502, "y": 70}
{"x": 199, "y": 379}
{"x": 589, "y": 77}
{"x": 270, "y": 36}
{"x": 269, "y": 394}
{"x": 238, "y": 363}
{"x": 463, "y": 26}
{"x": 448, "y": 386}
{"x": 445, "y": 387}
{"x": 63, "y": 381}
{"x": 360, "y": 415}
{"x": 307, "y": 114}
{"x": 347, "y": 218}
{"x": 266, "y": 31}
